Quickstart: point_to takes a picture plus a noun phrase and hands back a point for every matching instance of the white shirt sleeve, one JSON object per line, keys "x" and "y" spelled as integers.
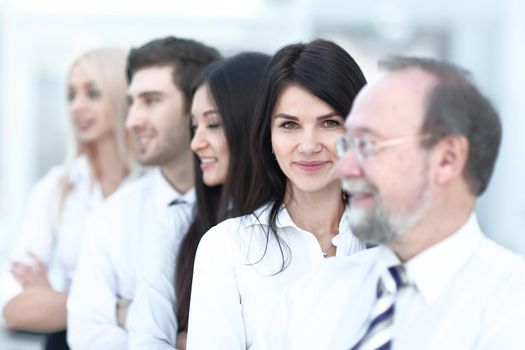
{"x": 152, "y": 321}
{"x": 37, "y": 233}
{"x": 215, "y": 320}
{"x": 273, "y": 334}
{"x": 92, "y": 318}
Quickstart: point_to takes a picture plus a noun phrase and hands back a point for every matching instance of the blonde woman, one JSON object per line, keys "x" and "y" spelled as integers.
{"x": 59, "y": 203}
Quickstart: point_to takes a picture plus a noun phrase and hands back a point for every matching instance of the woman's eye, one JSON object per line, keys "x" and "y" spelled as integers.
{"x": 214, "y": 125}
{"x": 71, "y": 96}
{"x": 289, "y": 125}
{"x": 94, "y": 94}
{"x": 150, "y": 100}
{"x": 330, "y": 123}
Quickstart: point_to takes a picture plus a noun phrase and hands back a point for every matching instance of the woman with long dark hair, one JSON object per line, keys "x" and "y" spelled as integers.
{"x": 222, "y": 113}
{"x": 294, "y": 212}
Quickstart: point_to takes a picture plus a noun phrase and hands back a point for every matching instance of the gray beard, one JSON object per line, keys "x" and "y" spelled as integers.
{"x": 378, "y": 226}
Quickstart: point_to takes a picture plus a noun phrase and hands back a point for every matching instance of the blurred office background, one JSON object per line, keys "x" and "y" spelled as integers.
{"x": 38, "y": 40}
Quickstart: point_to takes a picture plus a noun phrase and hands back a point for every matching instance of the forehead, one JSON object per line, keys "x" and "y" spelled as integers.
{"x": 152, "y": 79}
{"x": 392, "y": 106}
{"x": 296, "y": 101}
{"x": 202, "y": 101}
{"x": 82, "y": 73}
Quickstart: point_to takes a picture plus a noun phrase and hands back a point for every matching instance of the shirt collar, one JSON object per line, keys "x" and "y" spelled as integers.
{"x": 344, "y": 226}
{"x": 433, "y": 269}
{"x": 261, "y": 217}
{"x": 165, "y": 193}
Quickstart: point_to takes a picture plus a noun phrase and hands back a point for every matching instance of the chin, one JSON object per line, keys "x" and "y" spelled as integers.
{"x": 318, "y": 184}
{"x": 146, "y": 159}
{"x": 86, "y": 139}
{"x": 92, "y": 136}
{"x": 210, "y": 180}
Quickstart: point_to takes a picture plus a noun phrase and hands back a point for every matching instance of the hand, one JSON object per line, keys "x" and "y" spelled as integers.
{"x": 122, "y": 311}
{"x": 181, "y": 340}
{"x": 31, "y": 275}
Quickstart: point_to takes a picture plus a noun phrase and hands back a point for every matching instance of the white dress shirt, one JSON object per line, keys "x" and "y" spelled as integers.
{"x": 107, "y": 265}
{"x": 237, "y": 277}
{"x": 152, "y": 321}
{"x": 54, "y": 236}
{"x": 467, "y": 293}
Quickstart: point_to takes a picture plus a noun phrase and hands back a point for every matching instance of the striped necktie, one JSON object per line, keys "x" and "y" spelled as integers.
{"x": 176, "y": 201}
{"x": 379, "y": 335}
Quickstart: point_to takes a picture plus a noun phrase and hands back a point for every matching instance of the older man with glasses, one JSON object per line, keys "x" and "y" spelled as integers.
{"x": 420, "y": 148}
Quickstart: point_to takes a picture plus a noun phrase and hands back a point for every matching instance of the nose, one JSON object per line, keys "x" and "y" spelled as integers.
{"x": 309, "y": 142}
{"x": 135, "y": 118}
{"x": 78, "y": 103}
{"x": 349, "y": 166}
{"x": 198, "y": 141}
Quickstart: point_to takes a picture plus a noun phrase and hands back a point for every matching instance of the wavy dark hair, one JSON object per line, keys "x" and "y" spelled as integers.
{"x": 233, "y": 85}
{"x": 328, "y": 72}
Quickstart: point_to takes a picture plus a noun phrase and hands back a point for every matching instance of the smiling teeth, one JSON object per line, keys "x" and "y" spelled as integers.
{"x": 207, "y": 160}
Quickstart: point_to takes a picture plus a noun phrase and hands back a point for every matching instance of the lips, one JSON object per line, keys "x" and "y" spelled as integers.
{"x": 84, "y": 124}
{"x": 311, "y": 166}
{"x": 142, "y": 139}
{"x": 207, "y": 162}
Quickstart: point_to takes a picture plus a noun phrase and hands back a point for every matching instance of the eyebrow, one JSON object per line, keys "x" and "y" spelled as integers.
{"x": 88, "y": 84}
{"x": 144, "y": 94}
{"x": 329, "y": 115}
{"x": 205, "y": 114}
{"x": 150, "y": 93}
{"x": 321, "y": 117}
{"x": 366, "y": 130}
{"x": 285, "y": 116}
{"x": 210, "y": 112}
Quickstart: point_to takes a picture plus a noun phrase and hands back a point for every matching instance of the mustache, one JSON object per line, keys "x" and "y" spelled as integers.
{"x": 360, "y": 185}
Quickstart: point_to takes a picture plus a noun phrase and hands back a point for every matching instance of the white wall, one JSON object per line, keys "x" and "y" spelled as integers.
{"x": 485, "y": 36}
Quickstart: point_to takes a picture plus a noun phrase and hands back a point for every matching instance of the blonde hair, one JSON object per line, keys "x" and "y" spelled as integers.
{"x": 108, "y": 66}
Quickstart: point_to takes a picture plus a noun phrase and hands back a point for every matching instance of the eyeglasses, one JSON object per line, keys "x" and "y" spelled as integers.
{"x": 365, "y": 148}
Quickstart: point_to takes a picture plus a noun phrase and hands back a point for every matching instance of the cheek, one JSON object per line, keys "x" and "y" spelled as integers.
{"x": 221, "y": 146}
{"x": 105, "y": 113}
{"x": 330, "y": 142}
{"x": 283, "y": 144}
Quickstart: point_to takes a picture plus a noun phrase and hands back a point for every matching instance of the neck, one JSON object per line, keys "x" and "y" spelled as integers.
{"x": 107, "y": 166}
{"x": 179, "y": 172}
{"x": 434, "y": 228}
{"x": 316, "y": 212}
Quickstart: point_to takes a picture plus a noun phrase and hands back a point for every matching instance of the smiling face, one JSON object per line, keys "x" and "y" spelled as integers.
{"x": 209, "y": 142}
{"x": 157, "y": 119}
{"x": 89, "y": 106}
{"x": 304, "y": 131}
{"x": 390, "y": 190}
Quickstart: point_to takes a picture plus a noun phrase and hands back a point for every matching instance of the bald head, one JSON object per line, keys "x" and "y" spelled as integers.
{"x": 395, "y": 104}
{"x": 442, "y": 100}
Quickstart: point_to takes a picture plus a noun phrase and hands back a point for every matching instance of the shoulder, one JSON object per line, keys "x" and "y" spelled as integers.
{"x": 130, "y": 197}
{"x": 52, "y": 178}
{"x": 221, "y": 235}
{"x": 236, "y": 229}
{"x": 499, "y": 261}
{"x": 500, "y": 273}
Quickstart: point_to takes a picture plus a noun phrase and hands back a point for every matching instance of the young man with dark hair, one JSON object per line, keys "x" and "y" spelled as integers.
{"x": 160, "y": 75}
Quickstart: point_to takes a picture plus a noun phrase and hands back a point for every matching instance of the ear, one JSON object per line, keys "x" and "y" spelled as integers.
{"x": 451, "y": 158}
